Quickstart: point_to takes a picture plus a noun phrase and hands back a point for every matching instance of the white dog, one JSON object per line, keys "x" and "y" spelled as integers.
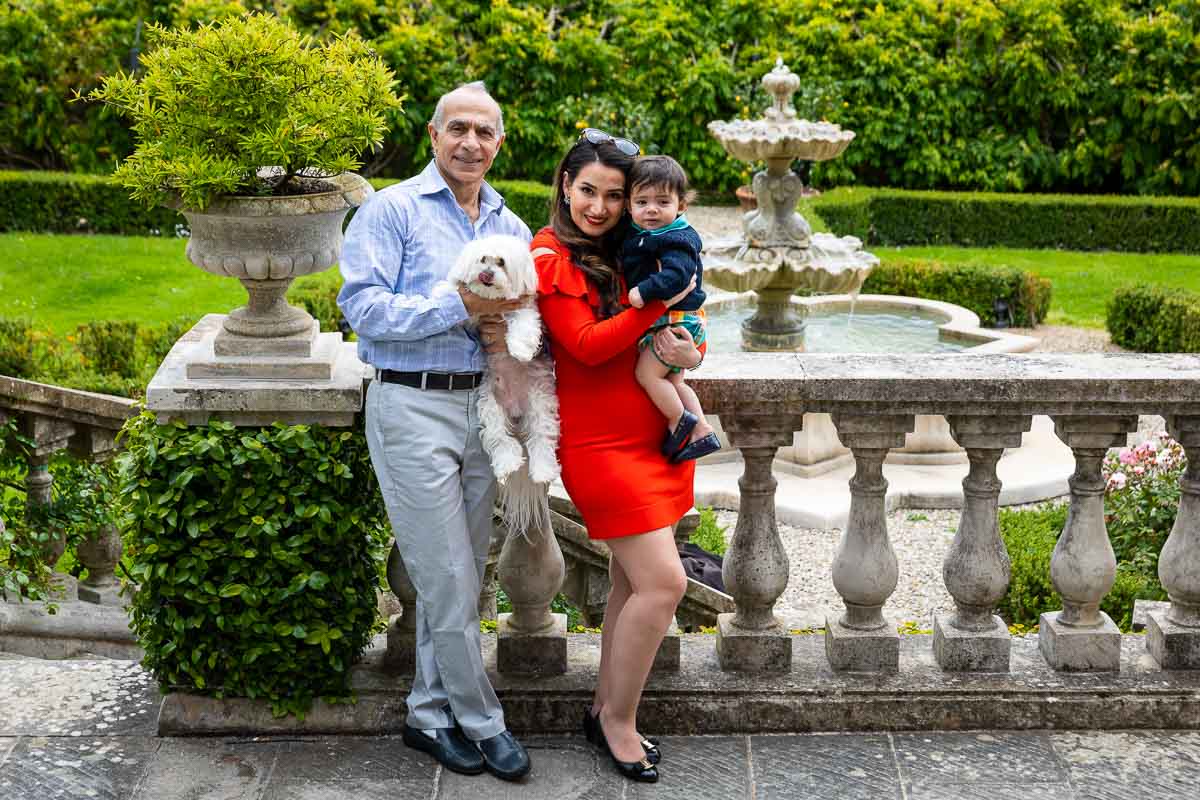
{"x": 518, "y": 408}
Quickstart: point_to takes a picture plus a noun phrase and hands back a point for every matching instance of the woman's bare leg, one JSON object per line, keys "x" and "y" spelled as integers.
{"x": 692, "y": 403}
{"x": 616, "y": 602}
{"x": 652, "y": 375}
{"x": 651, "y": 563}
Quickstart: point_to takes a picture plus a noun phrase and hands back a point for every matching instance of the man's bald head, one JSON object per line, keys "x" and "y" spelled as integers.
{"x": 476, "y": 88}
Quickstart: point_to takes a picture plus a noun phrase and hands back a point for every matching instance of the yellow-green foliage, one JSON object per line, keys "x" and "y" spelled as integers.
{"x": 1010, "y": 95}
{"x": 210, "y": 106}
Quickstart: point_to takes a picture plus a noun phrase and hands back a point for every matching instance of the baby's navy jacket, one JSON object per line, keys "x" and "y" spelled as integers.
{"x": 677, "y": 247}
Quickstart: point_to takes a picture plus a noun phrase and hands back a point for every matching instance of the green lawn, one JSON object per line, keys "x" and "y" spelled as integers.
{"x": 1082, "y": 283}
{"x": 62, "y": 281}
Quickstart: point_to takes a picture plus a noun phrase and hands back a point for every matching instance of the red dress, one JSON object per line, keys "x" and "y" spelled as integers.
{"x": 610, "y": 433}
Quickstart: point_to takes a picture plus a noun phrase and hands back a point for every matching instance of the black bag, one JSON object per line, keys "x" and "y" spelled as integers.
{"x": 701, "y": 565}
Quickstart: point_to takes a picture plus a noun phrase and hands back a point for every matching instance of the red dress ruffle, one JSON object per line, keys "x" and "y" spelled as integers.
{"x": 611, "y": 433}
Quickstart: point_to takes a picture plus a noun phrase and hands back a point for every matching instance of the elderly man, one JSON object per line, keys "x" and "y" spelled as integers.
{"x": 422, "y": 422}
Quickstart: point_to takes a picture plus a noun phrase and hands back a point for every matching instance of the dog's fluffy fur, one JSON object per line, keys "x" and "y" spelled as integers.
{"x": 518, "y": 407}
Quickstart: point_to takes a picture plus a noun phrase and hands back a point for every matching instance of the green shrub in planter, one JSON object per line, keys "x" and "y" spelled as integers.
{"x": 971, "y": 286}
{"x": 256, "y": 553}
{"x": 211, "y": 106}
{"x": 1155, "y": 319}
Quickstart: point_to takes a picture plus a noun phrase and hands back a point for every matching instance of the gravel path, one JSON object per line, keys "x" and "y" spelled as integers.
{"x": 919, "y": 537}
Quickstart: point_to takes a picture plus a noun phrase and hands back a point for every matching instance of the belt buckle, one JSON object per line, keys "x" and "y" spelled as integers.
{"x": 424, "y": 376}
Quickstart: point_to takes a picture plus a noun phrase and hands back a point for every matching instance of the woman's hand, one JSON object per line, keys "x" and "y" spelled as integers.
{"x": 688, "y": 290}
{"x": 676, "y": 347}
{"x": 493, "y": 331}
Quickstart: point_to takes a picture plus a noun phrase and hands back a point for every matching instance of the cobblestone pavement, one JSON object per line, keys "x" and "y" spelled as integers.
{"x": 85, "y": 729}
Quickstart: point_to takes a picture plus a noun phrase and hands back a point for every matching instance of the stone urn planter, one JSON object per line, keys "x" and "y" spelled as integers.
{"x": 266, "y": 243}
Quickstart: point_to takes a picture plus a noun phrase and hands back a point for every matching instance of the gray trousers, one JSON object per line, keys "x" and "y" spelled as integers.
{"x": 439, "y": 490}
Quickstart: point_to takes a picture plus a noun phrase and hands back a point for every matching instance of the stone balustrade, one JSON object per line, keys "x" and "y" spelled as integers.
{"x": 86, "y": 423}
{"x": 989, "y": 401}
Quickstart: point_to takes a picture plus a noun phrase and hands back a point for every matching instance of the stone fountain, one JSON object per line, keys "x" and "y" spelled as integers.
{"x": 778, "y": 252}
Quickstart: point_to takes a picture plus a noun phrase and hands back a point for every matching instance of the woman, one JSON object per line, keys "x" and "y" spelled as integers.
{"x": 628, "y": 494}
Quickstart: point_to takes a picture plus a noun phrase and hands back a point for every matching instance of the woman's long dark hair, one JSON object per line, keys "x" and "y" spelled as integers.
{"x": 596, "y": 259}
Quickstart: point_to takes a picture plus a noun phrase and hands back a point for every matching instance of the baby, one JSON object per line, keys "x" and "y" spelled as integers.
{"x": 661, "y": 237}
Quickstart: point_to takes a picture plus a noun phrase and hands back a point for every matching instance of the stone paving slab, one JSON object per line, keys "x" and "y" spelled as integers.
{"x": 824, "y": 767}
{"x": 982, "y": 765}
{"x": 76, "y": 698}
{"x": 47, "y": 768}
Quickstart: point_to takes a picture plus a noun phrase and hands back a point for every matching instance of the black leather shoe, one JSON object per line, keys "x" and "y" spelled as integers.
{"x": 677, "y": 437}
{"x": 591, "y": 732}
{"x": 450, "y": 747}
{"x": 504, "y": 757}
{"x": 641, "y": 771}
{"x": 697, "y": 449}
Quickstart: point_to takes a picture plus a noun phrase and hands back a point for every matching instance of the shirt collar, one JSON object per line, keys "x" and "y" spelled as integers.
{"x": 679, "y": 224}
{"x": 432, "y": 182}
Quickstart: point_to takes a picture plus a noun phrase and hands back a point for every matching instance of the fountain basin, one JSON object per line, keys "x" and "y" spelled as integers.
{"x": 905, "y": 324}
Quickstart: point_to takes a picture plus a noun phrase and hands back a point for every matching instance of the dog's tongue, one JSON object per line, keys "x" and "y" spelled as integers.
{"x": 486, "y": 278}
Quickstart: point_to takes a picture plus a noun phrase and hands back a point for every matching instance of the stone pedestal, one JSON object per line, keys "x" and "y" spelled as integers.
{"x": 317, "y": 380}
{"x": 531, "y": 640}
{"x": 401, "y": 655}
{"x": 766, "y": 649}
{"x": 853, "y": 650}
{"x": 541, "y": 652}
{"x": 1072, "y": 649}
{"x": 667, "y": 657}
{"x": 959, "y": 650}
{"x": 402, "y": 628}
{"x": 1173, "y": 646}
{"x": 755, "y": 568}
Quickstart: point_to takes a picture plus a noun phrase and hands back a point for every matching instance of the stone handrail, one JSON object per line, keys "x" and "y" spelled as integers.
{"x": 1094, "y": 399}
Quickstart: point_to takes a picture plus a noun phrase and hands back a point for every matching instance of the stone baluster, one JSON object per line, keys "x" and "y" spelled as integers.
{"x": 977, "y": 569}
{"x": 100, "y": 552}
{"x": 401, "y": 655}
{"x": 865, "y": 569}
{"x": 1173, "y": 638}
{"x": 753, "y": 639}
{"x": 1081, "y": 637}
{"x": 531, "y": 640}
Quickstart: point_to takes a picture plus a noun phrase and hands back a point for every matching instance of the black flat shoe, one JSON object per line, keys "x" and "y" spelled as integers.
{"x": 450, "y": 747}
{"x": 504, "y": 757}
{"x": 642, "y": 771}
{"x": 677, "y": 437}
{"x": 591, "y": 732}
{"x": 697, "y": 449}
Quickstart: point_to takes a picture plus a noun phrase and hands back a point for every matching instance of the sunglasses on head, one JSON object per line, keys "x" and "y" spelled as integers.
{"x": 597, "y": 136}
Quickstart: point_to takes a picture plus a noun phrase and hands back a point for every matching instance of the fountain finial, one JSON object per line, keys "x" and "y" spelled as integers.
{"x": 782, "y": 83}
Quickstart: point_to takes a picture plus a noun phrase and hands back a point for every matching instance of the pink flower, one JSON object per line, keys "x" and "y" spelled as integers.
{"x": 1126, "y": 456}
{"x": 1117, "y": 480}
{"x": 1138, "y": 469}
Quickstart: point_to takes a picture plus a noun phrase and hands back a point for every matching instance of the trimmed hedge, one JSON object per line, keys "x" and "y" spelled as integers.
{"x": 971, "y": 286}
{"x": 58, "y": 202}
{"x": 61, "y": 202}
{"x": 1036, "y": 221}
{"x": 1155, "y": 319}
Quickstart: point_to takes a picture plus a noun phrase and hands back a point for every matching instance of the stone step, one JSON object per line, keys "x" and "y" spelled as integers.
{"x": 701, "y": 699}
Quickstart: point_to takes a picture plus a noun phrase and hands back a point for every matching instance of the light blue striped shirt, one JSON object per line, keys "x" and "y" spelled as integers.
{"x": 401, "y": 242}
